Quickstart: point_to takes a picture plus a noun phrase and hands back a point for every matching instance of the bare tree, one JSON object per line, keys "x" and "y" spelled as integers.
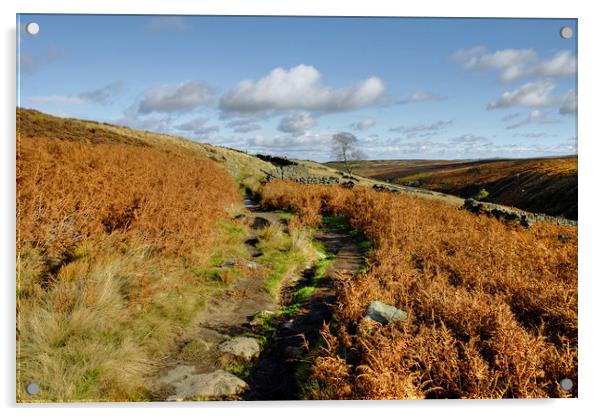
{"x": 344, "y": 149}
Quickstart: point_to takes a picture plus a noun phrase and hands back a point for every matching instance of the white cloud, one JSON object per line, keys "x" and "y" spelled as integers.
{"x": 363, "y": 125}
{"x": 296, "y": 123}
{"x": 419, "y": 97}
{"x": 30, "y": 63}
{"x": 515, "y": 64}
{"x": 534, "y": 117}
{"x": 198, "y": 126}
{"x": 244, "y": 125}
{"x": 535, "y": 135}
{"x": 168, "y": 22}
{"x": 422, "y": 130}
{"x": 176, "y": 98}
{"x": 470, "y": 139}
{"x": 464, "y": 56}
{"x": 560, "y": 65}
{"x": 531, "y": 94}
{"x": 537, "y": 95}
{"x": 298, "y": 88}
{"x": 152, "y": 123}
{"x": 568, "y": 103}
{"x": 103, "y": 96}
{"x": 308, "y": 139}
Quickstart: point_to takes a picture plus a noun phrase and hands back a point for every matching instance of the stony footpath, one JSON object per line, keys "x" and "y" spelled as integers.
{"x": 230, "y": 353}
{"x": 221, "y": 344}
{"x": 274, "y": 376}
{"x": 243, "y": 347}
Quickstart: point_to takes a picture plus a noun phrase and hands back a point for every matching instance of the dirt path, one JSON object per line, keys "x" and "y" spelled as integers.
{"x": 201, "y": 363}
{"x": 274, "y": 375}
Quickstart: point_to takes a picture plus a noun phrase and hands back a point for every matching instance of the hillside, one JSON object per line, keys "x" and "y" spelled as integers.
{"x": 123, "y": 237}
{"x": 146, "y": 262}
{"x": 547, "y": 185}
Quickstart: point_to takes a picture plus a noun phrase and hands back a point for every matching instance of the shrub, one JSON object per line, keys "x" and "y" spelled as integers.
{"x": 492, "y": 307}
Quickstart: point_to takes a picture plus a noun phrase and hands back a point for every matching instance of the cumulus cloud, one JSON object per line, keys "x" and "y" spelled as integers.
{"x": 516, "y": 64}
{"x": 560, "y": 65}
{"x": 469, "y": 146}
{"x": 510, "y": 62}
{"x": 568, "y": 103}
{"x": 244, "y": 125}
{"x": 470, "y": 139}
{"x": 152, "y": 123}
{"x": 363, "y": 125}
{"x": 534, "y": 117}
{"x": 168, "y": 22}
{"x": 537, "y": 95}
{"x": 422, "y": 130}
{"x": 198, "y": 126}
{"x": 104, "y": 96}
{"x": 30, "y": 63}
{"x": 298, "y": 88}
{"x": 419, "y": 97}
{"x": 176, "y": 98}
{"x": 531, "y": 94}
{"x": 296, "y": 123}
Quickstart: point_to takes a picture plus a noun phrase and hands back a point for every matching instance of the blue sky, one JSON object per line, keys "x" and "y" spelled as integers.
{"x": 407, "y": 88}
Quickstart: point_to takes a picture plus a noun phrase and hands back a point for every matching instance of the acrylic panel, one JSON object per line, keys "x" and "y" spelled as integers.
{"x": 295, "y": 208}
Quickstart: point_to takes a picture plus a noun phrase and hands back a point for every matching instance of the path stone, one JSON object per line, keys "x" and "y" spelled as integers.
{"x": 245, "y": 347}
{"x": 216, "y": 385}
{"x": 259, "y": 223}
{"x": 175, "y": 374}
{"x": 252, "y": 241}
{"x": 233, "y": 262}
{"x": 383, "y": 313}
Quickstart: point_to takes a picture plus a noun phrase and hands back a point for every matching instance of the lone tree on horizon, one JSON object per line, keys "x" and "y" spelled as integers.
{"x": 344, "y": 149}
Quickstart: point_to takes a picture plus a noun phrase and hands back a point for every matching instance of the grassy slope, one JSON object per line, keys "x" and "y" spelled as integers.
{"x": 111, "y": 267}
{"x": 538, "y": 185}
{"x": 246, "y": 169}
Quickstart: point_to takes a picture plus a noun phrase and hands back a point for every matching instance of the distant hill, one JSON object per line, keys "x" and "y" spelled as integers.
{"x": 544, "y": 185}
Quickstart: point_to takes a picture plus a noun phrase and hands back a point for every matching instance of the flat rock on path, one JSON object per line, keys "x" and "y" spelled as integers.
{"x": 185, "y": 384}
{"x": 244, "y": 347}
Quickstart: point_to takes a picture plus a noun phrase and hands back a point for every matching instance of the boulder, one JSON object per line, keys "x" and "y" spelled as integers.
{"x": 216, "y": 385}
{"x": 383, "y": 313}
{"x": 260, "y": 223}
{"x": 245, "y": 347}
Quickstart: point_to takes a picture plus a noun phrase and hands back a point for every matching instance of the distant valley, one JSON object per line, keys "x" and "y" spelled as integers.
{"x": 544, "y": 185}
